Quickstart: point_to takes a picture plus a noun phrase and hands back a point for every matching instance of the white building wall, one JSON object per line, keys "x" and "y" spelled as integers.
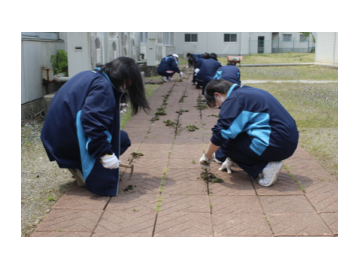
{"x": 326, "y": 48}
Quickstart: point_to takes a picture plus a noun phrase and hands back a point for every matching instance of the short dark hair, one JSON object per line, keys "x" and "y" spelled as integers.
{"x": 205, "y": 55}
{"x": 220, "y": 86}
{"x": 188, "y": 54}
{"x": 120, "y": 71}
{"x": 213, "y": 56}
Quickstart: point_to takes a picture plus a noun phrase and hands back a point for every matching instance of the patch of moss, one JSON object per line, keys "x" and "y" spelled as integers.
{"x": 161, "y": 111}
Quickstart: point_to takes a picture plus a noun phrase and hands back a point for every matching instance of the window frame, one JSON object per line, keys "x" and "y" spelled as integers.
{"x": 191, "y": 37}
{"x": 230, "y": 35}
{"x": 287, "y": 40}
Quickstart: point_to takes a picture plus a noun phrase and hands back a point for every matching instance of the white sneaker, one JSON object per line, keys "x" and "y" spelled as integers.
{"x": 78, "y": 177}
{"x": 170, "y": 79}
{"x": 270, "y": 173}
{"x": 164, "y": 79}
{"x": 216, "y": 160}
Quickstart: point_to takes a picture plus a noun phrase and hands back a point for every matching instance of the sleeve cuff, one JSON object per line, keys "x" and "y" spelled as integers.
{"x": 216, "y": 141}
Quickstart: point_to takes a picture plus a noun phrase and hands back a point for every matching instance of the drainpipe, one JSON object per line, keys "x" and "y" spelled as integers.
{"x": 60, "y": 78}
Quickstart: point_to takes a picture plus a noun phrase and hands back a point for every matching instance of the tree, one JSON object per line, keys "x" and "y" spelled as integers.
{"x": 308, "y": 34}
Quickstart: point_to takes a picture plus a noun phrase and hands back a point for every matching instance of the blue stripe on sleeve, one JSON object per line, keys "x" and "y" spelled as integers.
{"x": 256, "y": 125}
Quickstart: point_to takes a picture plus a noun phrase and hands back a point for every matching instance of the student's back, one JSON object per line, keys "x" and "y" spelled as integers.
{"x": 208, "y": 68}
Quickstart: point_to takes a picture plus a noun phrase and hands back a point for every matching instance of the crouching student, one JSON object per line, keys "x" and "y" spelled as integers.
{"x": 208, "y": 68}
{"x": 253, "y": 130}
{"x": 82, "y": 128}
{"x": 168, "y": 66}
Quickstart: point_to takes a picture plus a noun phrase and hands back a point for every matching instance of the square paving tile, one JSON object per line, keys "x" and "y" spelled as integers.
{"x": 122, "y": 234}
{"x": 235, "y": 204}
{"x": 135, "y": 222}
{"x": 189, "y": 175}
{"x": 128, "y": 202}
{"x": 150, "y": 185}
{"x": 284, "y": 185}
{"x": 331, "y": 219}
{"x": 323, "y": 196}
{"x": 233, "y": 225}
{"x": 185, "y": 203}
{"x": 298, "y": 224}
{"x": 235, "y": 184}
{"x": 184, "y": 187}
{"x": 61, "y": 234}
{"x": 286, "y": 204}
{"x": 80, "y": 198}
{"x": 183, "y": 224}
{"x": 70, "y": 220}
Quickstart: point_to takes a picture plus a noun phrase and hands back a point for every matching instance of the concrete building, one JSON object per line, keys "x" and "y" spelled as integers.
{"x": 241, "y": 43}
{"x": 86, "y": 49}
{"x": 326, "y": 51}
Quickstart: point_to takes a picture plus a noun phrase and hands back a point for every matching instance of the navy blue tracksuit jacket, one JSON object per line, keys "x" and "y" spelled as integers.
{"x": 208, "y": 68}
{"x": 167, "y": 63}
{"x": 253, "y": 129}
{"x": 82, "y": 125}
{"x": 230, "y": 73}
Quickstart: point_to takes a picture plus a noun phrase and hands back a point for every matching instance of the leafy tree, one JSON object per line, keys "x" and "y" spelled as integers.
{"x": 59, "y": 61}
{"x": 308, "y": 34}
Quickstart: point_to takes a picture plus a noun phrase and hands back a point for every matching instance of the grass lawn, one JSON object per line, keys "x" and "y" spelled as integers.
{"x": 315, "y": 110}
{"x": 274, "y": 58}
{"x": 149, "y": 90}
{"x": 289, "y": 73}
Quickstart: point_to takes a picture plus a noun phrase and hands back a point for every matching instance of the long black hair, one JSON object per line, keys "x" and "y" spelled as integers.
{"x": 122, "y": 71}
{"x": 220, "y": 86}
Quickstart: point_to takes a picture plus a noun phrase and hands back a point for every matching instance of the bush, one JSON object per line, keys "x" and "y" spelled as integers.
{"x": 59, "y": 62}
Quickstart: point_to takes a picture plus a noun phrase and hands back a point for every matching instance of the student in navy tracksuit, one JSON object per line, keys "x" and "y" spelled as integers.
{"x": 82, "y": 128}
{"x": 254, "y": 130}
{"x": 208, "y": 68}
{"x": 168, "y": 66}
{"x": 229, "y": 73}
{"x": 198, "y": 62}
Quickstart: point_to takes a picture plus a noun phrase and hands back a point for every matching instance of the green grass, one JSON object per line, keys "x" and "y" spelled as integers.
{"x": 272, "y": 58}
{"x": 315, "y": 110}
{"x": 149, "y": 91}
{"x": 289, "y": 73}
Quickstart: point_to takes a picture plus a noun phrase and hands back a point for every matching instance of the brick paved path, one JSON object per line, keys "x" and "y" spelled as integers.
{"x": 171, "y": 199}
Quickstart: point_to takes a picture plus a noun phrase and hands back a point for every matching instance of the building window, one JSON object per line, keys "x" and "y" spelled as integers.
{"x": 303, "y": 38}
{"x": 229, "y": 37}
{"x": 171, "y": 38}
{"x": 190, "y": 37}
{"x": 287, "y": 37}
{"x": 143, "y": 37}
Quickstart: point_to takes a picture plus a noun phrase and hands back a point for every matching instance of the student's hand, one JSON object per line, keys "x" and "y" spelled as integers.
{"x": 110, "y": 161}
{"x": 181, "y": 74}
{"x": 205, "y": 162}
{"x": 227, "y": 165}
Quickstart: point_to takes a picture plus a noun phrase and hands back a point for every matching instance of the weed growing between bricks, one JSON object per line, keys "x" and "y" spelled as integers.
{"x": 192, "y": 127}
{"x": 182, "y": 99}
{"x": 170, "y": 123}
{"x": 181, "y": 111}
{"x": 137, "y": 154}
{"x": 210, "y": 177}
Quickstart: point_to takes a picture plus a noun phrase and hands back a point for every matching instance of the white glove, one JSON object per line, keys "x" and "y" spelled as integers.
{"x": 205, "y": 162}
{"x": 187, "y": 66}
{"x": 110, "y": 162}
{"x": 196, "y": 71}
{"x": 227, "y": 165}
{"x": 181, "y": 74}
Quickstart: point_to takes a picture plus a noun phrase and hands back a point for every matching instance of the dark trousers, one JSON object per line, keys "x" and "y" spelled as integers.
{"x": 166, "y": 74}
{"x": 125, "y": 142}
{"x": 239, "y": 151}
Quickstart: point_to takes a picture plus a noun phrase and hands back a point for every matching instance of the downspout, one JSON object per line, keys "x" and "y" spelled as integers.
{"x": 60, "y": 79}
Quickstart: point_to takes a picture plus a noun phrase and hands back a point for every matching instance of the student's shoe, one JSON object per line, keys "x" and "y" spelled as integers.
{"x": 270, "y": 173}
{"x": 203, "y": 101}
{"x": 170, "y": 79}
{"x": 78, "y": 177}
{"x": 164, "y": 79}
{"x": 216, "y": 160}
